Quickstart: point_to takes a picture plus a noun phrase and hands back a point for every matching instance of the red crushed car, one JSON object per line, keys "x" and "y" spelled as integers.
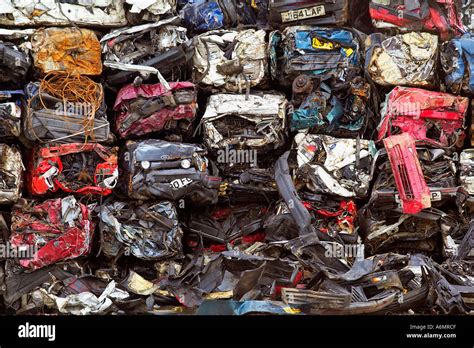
{"x": 76, "y": 168}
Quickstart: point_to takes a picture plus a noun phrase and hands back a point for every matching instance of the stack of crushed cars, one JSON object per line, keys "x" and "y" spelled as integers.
{"x": 236, "y": 157}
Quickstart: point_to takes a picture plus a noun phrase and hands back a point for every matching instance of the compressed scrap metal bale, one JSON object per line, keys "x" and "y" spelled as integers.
{"x": 145, "y": 50}
{"x": 409, "y": 59}
{"x": 76, "y": 168}
{"x": 71, "y": 50}
{"x": 156, "y": 169}
{"x": 155, "y": 108}
{"x": 151, "y": 10}
{"x": 230, "y": 59}
{"x": 457, "y": 61}
{"x": 57, "y": 229}
{"x": 308, "y": 12}
{"x": 199, "y": 16}
{"x": 150, "y": 231}
{"x": 341, "y": 112}
{"x": 106, "y": 13}
{"x": 255, "y": 122}
{"x": 10, "y": 113}
{"x": 438, "y": 16}
{"x": 63, "y": 114}
{"x": 321, "y": 53}
{"x": 11, "y": 171}
{"x": 338, "y": 167}
{"x": 14, "y": 64}
{"x": 432, "y": 118}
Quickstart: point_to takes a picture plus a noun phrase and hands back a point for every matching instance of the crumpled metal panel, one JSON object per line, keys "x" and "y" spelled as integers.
{"x": 77, "y": 168}
{"x": 71, "y": 50}
{"x": 255, "y": 122}
{"x": 406, "y": 168}
{"x": 150, "y": 231}
{"x": 205, "y": 15}
{"x": 11, "y": 171}
{"x": 231, "y": 60}
{"x": 409, "y": 59}
{"x": 10, "y": 113}
{"x": 439, "y": 16}
{"x": 154, "y": 108}
{"x": 325, "y": 12}
{"x": 60, "y": 228}
{"x": 324, "y": 53}
{"x": 145, "y": 50}
{"x": 63, "y": 120}
{"x": 457, "y": 61}
{"x": 108, "y": 13}
{"x": 157, "y": 169}
{"x": 338, "y": 167}
{"x": 432, "y": 118}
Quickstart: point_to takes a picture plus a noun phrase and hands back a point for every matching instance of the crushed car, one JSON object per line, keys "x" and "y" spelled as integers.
{"x": 11, "y": 174}
{"x": 229, "y": 59}
{"x": 64, "y": 108}
{"x": 148, "y": 231}
{"x": 439, "y": 16}
{"x": 323, "y": 53}
{"x": 157, "y": 169}
{"x": 205, "y": 15}
{"x": 338, "y": 167}
{"x": 433, "y": 118}
{"x": 409, "y": 59}
{"x": 74, "y": 168}
{"x": 457, "y": 60}
{"x": 154, "y": 49}
{"x": 155, "y": 108}
{"x": 10, "y": 113}
{"x": 71, "y": 50}
{"x": 63, "y": 12}
{"x": 59, "y": 229}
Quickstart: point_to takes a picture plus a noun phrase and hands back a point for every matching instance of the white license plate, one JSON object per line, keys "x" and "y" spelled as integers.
{"x": 310, "y": 12}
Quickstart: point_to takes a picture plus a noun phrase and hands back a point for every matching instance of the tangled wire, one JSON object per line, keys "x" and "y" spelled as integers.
{"x": 76, "y": 90}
